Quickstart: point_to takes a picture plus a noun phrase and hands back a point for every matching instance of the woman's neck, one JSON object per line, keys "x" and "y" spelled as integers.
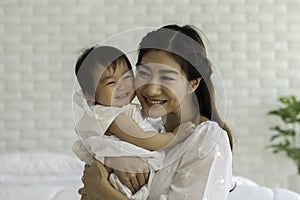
{"x": 187, "y": 112}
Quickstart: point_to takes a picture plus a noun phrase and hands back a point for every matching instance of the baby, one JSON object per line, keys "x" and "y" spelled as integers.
{"x": 111, "y": 121}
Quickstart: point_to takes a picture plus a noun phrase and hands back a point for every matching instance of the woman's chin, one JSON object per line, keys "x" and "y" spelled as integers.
{"x": 156, "y": 111}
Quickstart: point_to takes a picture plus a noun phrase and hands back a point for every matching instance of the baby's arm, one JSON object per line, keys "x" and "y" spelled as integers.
{"x": 128, "y": 130}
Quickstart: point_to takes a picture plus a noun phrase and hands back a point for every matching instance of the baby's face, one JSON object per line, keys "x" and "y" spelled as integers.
{"x": 115, "y": 88}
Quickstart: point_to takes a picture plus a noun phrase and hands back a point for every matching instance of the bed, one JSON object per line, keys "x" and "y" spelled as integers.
{"x": 42, "y": 176}
{"x": 247, "y": 189}
{"x": 54, "y": 176}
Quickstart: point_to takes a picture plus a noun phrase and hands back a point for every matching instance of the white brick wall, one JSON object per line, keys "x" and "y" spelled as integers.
{"x": 255, "y": 45}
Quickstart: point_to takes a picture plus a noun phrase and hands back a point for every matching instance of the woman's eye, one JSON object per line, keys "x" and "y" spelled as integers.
{"x": 166, "y": 78}
{"x": 143, "y": 74}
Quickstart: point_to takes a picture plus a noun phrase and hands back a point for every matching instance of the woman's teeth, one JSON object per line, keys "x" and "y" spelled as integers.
{"x": 155, "y": 101}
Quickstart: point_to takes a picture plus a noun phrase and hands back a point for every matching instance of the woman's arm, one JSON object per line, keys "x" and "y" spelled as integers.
{"x": 96, "y": 184}
{"x": 123, "y": 127}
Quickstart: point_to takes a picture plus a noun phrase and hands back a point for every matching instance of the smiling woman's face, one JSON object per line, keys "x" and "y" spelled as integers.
{"x": 160, "y": 84}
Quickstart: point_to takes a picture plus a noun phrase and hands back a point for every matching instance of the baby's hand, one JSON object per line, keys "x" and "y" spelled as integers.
{"x": 185, "y": 129}
{"x": 188, "y": 127}
{"x": 181, "y": 132}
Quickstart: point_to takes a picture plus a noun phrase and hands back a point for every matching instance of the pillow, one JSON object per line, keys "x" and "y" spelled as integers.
{"x": 39, "y": 167}
{"x": 244, "y": 181}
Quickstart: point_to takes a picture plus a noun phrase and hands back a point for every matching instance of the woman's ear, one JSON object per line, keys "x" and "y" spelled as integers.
{"x": 194, "y": 84}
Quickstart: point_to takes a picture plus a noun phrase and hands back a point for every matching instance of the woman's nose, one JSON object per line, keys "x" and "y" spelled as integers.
{"x": 153, "y": 89}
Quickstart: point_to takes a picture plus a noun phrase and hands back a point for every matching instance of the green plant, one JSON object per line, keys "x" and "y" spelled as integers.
{"x": 287, "y": 136}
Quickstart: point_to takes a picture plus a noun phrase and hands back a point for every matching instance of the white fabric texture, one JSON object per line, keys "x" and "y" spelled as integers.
{"x": 248, "y": 190}
{"x": 198, "y": 168}
{"x": 91, "y": 128}
{"x": 95, "y": 121}
{"x": 38, "y": 167}
{"x": 111, "y": 146}
{"x": 39, "y": 175}
{"x": 142, "y": 193}
{"x": 45, "y": 165}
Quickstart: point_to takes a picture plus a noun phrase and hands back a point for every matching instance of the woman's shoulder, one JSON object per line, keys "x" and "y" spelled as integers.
{"x": 209, "y": 127}
{"x": 207, "y": 135}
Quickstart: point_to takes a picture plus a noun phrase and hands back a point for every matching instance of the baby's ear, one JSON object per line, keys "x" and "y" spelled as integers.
{"x": 194, "y": 84}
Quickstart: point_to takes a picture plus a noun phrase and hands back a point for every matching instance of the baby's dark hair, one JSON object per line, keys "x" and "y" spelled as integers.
{"x": 89, "y": 61}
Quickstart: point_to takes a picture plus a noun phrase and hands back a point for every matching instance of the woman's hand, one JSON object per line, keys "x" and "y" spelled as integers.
{"x": 132, "y": 171}
{"x": 95, "y": 180}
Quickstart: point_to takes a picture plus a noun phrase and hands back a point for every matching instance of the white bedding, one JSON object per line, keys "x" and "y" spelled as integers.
{"x": 249, "y": 190}
{"x": 40, "y": 192}
{"x": 41, "y": 176}
{"x": 52, "y": 176}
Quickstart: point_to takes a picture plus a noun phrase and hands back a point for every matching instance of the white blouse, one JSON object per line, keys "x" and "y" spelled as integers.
{"x": 198, "y": 168}
{"x": 95, "y": 121}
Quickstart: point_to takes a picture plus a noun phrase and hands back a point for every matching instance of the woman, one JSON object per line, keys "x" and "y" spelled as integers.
{"x": 173, "y": 81}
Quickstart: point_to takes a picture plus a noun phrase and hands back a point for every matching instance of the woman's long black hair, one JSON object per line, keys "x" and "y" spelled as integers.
{"x": 185, "y": 46}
